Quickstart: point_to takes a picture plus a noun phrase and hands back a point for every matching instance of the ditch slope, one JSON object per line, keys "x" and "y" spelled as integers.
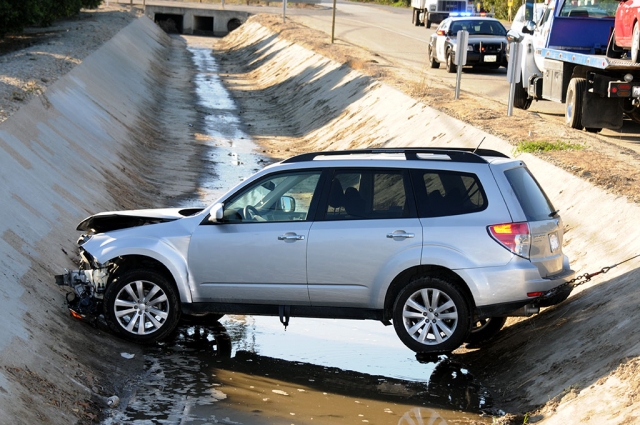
{"x": 113, "y": 133}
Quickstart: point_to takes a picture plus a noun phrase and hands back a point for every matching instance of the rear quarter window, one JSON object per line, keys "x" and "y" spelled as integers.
{"x": 444, "y": 193}
{"x": 534, "y": 202}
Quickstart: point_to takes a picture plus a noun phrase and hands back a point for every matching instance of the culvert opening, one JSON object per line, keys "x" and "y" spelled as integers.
{"x": 203, "y": 25}
{"x": 170, "y": 23}
{"x": 233, "y": 24}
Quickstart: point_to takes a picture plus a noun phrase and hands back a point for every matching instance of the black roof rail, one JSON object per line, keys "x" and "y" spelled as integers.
{"x": 455, "y": 154}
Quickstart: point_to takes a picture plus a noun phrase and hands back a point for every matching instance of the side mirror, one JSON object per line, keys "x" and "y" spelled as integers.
{"x": 287, "y": 204}
{"x": 529, "y": 27}
{"x": 514, "y": 36}
{"x": 216, "y": 213}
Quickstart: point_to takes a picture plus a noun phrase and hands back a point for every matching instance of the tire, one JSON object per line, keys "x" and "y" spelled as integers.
{"x": 433, "y": 63}
{"x": 451, "y": 67}
{"x": 449, "y": 316}
{"x": 635, "y": 44}
{"x": 573, "y": 109}
{"x": 124, "y": 298}
{"x": 415, "y": 20}
{"x": 521, "y": 99}
{"x": 634, "y": 115}
{"x": 484, "y": 329}
{"x": 427, "y": 23}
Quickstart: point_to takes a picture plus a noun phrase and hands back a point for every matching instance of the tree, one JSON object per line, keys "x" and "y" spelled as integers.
{"x": 17, "y": 14}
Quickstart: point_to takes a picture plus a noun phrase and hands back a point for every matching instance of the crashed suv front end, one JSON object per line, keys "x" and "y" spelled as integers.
{"x": 117, "y": 243}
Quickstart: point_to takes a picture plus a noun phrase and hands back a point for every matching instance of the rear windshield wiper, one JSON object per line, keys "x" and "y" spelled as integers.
{"x": 554, "y": 213}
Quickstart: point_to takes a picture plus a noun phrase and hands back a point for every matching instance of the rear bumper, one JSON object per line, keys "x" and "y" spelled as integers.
{"x": 511, "y": 283}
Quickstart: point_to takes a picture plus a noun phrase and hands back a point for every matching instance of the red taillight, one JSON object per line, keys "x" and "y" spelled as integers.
{"x": 440, "y": 32}
{"x": 513, "y": 236}
{"x": 535, "y": 294}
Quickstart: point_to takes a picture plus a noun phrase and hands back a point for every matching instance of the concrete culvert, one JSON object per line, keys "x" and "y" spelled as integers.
{"x": 233, "y": 24}
{"x": 203, "y": 25}
{"x": 170, "y": 23}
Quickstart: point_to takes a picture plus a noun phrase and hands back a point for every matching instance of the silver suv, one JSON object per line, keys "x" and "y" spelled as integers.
{"x": 444, "y": 243}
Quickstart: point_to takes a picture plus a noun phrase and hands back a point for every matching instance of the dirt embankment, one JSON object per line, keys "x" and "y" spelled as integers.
{"x": 81, "y": 133}
{"x": 297, "y": 92}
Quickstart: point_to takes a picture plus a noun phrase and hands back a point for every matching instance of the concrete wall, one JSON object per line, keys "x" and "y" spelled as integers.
{"x": 89, "y": 143}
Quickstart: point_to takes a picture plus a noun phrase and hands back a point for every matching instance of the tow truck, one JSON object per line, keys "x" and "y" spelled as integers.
{"x": 570, "y": 56}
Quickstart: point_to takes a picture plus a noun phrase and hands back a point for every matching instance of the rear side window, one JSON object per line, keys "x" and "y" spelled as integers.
{"x": 369, "y": 194}
{"x": 444, "y": 193}
{"x": 533, "y": 200}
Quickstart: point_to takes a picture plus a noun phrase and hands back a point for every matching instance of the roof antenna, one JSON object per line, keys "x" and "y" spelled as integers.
{"x": 474, "y": 151}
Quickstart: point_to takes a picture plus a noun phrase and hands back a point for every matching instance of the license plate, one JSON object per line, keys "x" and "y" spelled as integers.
{"x": 554, "y": 243}
{"x": 636, "y": 91}
{"x": 490, "y": 58}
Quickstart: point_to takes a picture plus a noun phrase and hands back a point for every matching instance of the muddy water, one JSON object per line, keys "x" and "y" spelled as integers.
{"x": 251, "y": 370}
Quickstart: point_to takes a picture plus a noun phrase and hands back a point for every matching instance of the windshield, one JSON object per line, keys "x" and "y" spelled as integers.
{"x": 589, "y": 8}
{"x": 479, "y": 27}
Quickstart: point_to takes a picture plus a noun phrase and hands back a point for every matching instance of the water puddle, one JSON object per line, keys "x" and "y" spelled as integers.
{"x": 250, "y": 370}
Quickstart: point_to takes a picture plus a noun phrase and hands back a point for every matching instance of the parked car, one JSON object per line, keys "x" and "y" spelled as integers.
{"x": 627, "y": 29}
{"x": 486, "y": 47}
{"x": 444, "y": 243}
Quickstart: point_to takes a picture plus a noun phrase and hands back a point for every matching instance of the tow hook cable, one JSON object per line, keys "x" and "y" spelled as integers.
{"x": 582, "y": 279}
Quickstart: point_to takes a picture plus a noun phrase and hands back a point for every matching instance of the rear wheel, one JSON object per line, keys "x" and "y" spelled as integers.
{"x": 430, "y": 315}
{"x": 573, "y": 109}
{"x": 451, "y": 67}
{"x": 141, "y": 306}
{"x": 484, "y": 329}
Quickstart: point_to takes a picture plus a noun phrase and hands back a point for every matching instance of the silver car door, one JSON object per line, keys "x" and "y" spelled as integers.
{"x": 257, "y": 253}
{"x": 368, "y": 234}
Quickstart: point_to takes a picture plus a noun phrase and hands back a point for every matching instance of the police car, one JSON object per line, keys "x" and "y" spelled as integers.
{"x": 486, "y": 48}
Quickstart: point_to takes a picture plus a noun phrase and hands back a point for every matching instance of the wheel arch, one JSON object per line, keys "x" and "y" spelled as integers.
{"x": 131, "y": 262}
{"x": 174, "y": 273}
{"x": 424, "y": 270}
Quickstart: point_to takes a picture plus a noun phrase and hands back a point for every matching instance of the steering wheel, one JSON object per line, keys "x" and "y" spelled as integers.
{"x": 249, "y": 212}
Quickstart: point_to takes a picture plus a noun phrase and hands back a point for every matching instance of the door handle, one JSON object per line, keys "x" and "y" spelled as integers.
{"x": 402, "y": 235}
{"x": 291, "y": 237}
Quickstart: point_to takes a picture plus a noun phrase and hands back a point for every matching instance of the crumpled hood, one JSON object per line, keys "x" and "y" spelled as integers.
{"x": 115, "y": 220}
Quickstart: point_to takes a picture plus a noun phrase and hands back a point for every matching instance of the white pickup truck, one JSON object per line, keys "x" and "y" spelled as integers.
{"x": 426, "y": 12}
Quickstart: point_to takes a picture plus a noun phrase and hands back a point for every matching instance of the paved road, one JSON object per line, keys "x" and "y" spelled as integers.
{"x": 388, "y": 31}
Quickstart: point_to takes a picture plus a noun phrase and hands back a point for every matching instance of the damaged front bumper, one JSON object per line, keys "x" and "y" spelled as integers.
{"x": 88, "y": 283}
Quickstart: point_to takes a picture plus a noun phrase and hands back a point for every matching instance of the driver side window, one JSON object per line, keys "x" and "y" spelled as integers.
{"x": 283, "y": 197}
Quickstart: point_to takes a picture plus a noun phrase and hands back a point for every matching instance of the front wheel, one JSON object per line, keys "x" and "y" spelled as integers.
{"x": 430, "y": 315}
{"x": 433, "y": 63}
{"x": 521, "y": 99}
{"x": 635, "y": 44}
{"x": 141, "y": 306}
{"x": 451, "y": 67}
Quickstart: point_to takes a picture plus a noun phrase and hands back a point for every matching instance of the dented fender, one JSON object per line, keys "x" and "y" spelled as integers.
{"x": 171, "y": 252}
